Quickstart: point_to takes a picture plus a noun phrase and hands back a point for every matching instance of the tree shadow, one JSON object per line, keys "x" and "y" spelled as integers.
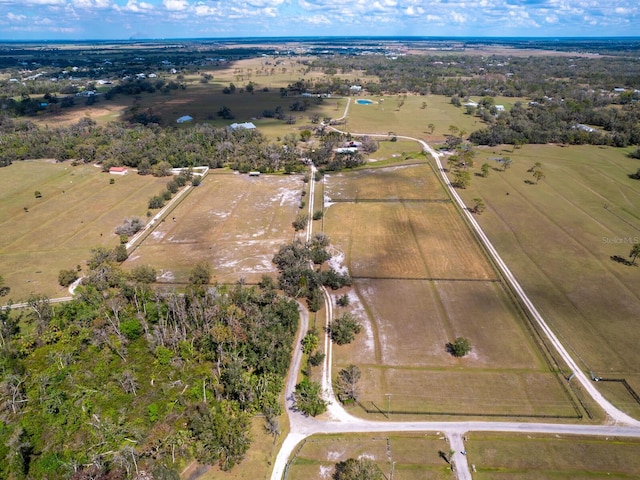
{"x": 444, "y": 456}
{"x": 529, "y": 182}
{"x": 622, "y": 260}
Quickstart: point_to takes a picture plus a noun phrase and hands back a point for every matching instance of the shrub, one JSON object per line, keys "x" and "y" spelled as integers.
{"x": 144, "y": 274}
{"x": 156, "y": 202}
{"x": 300, "y": 222}
{"x": 67, "y": 277}
{"x": 316, "y": 359}
{"x": 131, "y": 328}
{"x": 460, "y": 347}
{"x": 130, "y": 226}
{"x": 121, "y": 253}
{"x": 344, "y": 329}
{"x": 343, "y": 301}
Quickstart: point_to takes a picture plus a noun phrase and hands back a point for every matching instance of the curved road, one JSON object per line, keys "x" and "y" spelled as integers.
{"x": 340, "y": 421}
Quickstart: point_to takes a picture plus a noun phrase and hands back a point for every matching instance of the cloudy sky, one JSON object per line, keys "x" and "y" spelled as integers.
{"x": 124, "y": 19}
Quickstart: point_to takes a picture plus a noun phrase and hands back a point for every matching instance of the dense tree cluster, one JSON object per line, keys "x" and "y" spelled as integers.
{"x": 125, "y": 378}
{"x": 144, "y": 147}
{"x": 568, "y": 121}
{"x": 298, "y": 279}
{"x": 567, "y": 94}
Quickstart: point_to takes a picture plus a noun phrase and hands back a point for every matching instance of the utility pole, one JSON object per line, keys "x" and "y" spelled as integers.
{"x": 388, "y": 403}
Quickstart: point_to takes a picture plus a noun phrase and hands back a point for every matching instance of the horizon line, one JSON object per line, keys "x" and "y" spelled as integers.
{"x": 550, "y": 38}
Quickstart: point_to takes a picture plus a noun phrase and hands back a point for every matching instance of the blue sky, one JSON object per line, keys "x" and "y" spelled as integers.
{"x": 124, "y": 19}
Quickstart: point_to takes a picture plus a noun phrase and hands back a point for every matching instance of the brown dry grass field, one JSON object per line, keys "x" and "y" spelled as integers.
{"x": 528, "y": 457}
{"x": 79, "y": 210}
{"x": 559, "y": 239}
{"x": 494, "y": 455}
{"x": 412, "y": 457}
{"x": 422, "y": 280}
{"x": 234, "y": 222}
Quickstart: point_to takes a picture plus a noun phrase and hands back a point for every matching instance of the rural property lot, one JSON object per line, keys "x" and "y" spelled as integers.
{"x": 494, "y": 456}
{"x": 412, "y": 456}
{"x": 79, "y": 210}
{"x": 558, "y": 239}
{"x": 407, "y": 246}
{"x": 234, "y": 222}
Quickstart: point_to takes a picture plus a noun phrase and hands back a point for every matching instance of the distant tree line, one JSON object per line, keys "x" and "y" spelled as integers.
{"x": 144, "y": 147}
{"x": 568, "y": 122}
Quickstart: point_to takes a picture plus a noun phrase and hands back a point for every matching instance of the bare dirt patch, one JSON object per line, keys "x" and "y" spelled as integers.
{"x": 234, "y": 222}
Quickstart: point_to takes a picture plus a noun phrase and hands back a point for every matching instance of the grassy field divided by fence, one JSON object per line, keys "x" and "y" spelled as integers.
{"x": 490, "y": 456}
{"x": 407, "y": 245}
{"x": 560, "y": 237}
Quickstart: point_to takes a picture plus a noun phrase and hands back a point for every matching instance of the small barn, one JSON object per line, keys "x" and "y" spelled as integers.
{"x": 118, "y": 170}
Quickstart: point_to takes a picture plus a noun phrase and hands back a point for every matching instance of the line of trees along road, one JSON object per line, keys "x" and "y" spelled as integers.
{"x": 125, "y": 378}
{"x": 144, "y": 147}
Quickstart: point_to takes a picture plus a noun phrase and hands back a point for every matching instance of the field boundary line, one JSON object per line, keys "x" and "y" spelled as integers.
{"x": 540, "y": 341}
{"x": 612, "y": 411}
{"x": 141, "y": 236}
{"x": 391, "y": 200}
{"x": 381, "y": 410}
{"x": 428, "y": 279}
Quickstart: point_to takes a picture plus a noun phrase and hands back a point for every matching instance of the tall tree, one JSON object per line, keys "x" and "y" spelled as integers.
{"x": 635, "y": 252}
{"x": 347, "y": 382}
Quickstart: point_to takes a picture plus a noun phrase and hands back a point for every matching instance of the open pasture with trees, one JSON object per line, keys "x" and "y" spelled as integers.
{"x": 234, "y": 222}
{"x": 409, "y": 457}
{"x": 78, "y": 209}
{"x": 567, "y": 239}
{"x": 408, "y": 246}
{"x": 520, "y": 457}
{"x": 409, "y": 115}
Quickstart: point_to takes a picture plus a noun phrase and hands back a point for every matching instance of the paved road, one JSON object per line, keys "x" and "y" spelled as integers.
{"x": 340, "y": 421}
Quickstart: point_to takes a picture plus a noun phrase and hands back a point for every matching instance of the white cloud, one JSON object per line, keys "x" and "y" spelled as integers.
{"x": 91, "y": 3}
{"x": 458, "y": 17}
{"x": 43, "y": 2}
{"x": 264, "y": 3}
{"x": 315, "y": 20}
{"x": 15, "y": 18}
{"x": 206, "y": 11}
{"x": 175, "y": 5}
{"x": 136, "y": 7}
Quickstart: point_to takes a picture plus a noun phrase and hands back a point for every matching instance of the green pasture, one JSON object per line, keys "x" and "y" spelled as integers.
{"x": 411, "y": 457}
{"x": 410, "y": 119}
{"x": 405, "y": 244}
{"x": 524, "y": 457}
{"x": 559, "y": 238}
{"x": 79, "y": 210}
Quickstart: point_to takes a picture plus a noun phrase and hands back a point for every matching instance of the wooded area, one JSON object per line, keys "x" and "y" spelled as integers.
{"x": 125, "y": 378}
